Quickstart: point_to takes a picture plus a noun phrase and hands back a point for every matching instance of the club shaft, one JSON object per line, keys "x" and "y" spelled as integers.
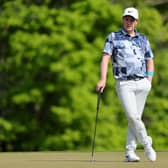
{"x": 96, "y": 121}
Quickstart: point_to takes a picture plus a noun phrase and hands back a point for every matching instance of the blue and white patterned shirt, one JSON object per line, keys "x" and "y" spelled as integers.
{"x": 129, "y": 54}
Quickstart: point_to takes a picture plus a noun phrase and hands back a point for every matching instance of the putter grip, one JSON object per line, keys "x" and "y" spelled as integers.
{"x": 100, "y": 89}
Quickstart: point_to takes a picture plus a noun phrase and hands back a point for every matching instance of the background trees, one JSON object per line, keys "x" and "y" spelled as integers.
{"x": 50, "y": 53}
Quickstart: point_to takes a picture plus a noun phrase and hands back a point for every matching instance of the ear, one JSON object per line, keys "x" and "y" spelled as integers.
{"x": 136, "y": 22}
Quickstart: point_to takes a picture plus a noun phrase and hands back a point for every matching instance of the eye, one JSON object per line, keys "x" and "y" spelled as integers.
{"x": 130, "y": 19}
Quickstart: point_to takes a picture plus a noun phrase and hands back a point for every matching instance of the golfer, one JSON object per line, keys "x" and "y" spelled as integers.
{"x": 133, "y": 69}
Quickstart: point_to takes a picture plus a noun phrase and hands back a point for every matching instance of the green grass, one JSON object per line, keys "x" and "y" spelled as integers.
{"x": 77, "y": 160}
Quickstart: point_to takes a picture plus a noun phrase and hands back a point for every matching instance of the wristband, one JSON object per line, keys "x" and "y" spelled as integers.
{"x": 149, "y": 73}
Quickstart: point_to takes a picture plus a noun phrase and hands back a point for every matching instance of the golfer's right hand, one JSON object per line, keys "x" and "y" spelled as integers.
{"x": 101, "y": 85}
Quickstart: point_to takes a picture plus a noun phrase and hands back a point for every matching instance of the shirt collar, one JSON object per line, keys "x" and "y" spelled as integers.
{"x": 126, "y": 34}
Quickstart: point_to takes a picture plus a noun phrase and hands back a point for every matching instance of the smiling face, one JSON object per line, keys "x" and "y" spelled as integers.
{"x": 129, "y": 24}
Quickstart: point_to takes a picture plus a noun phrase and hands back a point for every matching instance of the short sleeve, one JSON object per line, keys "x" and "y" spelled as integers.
{"x": 148, "y": 53}
{"x": 108, "y": 45}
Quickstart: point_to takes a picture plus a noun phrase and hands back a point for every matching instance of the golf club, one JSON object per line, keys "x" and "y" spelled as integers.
{"x": 96, "y": 120}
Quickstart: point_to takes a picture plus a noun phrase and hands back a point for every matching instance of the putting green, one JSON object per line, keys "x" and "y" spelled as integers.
{"x": 77, "y": 160}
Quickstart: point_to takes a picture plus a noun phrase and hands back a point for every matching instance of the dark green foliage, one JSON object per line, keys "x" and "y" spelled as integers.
{"x": 50, "y": 56}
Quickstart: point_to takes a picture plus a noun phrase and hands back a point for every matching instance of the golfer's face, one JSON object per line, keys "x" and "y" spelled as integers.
{"x": 129, "y": 23}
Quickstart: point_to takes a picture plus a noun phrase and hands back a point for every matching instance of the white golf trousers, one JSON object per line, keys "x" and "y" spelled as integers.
{"x": 132, "y": 95}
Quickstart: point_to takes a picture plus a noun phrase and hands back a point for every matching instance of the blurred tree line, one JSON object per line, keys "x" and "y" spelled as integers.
{"x": 50, "y": 53}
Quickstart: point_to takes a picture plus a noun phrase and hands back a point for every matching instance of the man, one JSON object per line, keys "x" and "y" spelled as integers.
{"x": 133, "y": 70}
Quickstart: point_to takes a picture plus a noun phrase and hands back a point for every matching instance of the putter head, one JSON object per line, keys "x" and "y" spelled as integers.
{"x": 93, "y": 160}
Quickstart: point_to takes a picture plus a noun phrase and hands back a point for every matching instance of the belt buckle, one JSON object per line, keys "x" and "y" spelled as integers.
{"x": 137, "y": 79}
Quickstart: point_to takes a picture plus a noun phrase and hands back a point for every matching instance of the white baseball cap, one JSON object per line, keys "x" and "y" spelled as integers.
{"x": 131, "y": 12}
